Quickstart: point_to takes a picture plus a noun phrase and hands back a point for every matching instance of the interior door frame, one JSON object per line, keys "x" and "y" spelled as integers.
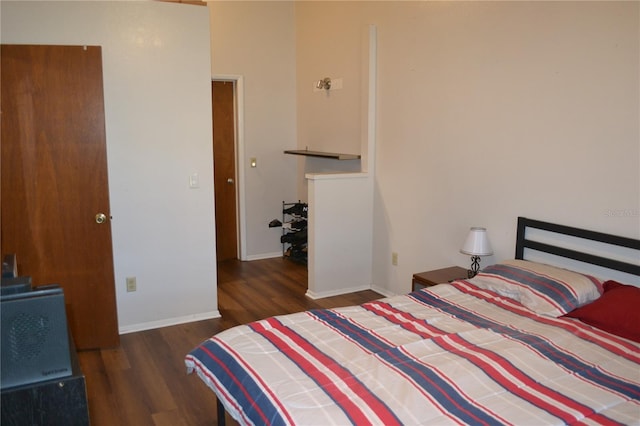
{"x": 238, "y": 81}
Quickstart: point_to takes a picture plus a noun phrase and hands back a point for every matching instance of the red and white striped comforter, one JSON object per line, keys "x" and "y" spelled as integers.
{"x": 449, "y": 354}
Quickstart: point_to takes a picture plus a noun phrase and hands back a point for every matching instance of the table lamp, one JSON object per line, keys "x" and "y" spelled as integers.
{"x": 477, "y": 244}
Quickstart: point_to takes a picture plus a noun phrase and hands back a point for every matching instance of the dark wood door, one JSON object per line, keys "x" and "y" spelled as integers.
{"x": 54, "y": 181}
{"x": 224, "y": 164}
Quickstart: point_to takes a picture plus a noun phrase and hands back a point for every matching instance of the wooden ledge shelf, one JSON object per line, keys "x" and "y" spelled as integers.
{"x": 332, "y": 155}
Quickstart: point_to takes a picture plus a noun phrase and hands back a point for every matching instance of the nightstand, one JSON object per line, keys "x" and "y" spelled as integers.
{"x": 437, "y": 276}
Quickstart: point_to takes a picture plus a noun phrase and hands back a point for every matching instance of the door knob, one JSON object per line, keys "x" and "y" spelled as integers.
{"x": 230, "y": 181}
{"x": 101, "y": 218}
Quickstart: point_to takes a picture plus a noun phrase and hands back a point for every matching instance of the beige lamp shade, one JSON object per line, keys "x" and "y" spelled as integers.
{"x": 477, "y": 243}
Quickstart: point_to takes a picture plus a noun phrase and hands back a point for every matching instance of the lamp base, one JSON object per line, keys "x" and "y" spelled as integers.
{"x": 475, "y": 267}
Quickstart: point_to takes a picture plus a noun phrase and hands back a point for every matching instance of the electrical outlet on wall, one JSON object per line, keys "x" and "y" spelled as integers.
{"x": 394, "y": 258}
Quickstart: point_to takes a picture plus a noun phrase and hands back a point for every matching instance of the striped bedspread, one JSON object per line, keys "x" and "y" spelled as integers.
{"x": 449, "y": 354}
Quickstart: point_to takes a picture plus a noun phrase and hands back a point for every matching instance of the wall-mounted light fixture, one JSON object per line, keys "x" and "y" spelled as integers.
{"x": 324, "y": 84}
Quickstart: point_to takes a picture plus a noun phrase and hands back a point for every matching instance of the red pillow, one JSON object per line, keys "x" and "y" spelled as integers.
{"x": 616, "y": 311}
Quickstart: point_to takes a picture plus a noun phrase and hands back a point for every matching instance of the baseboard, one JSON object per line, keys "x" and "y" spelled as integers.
{"x": 168, "y": 322}
{"x": 312, "y": 295}
{"x": 264, "y": 256}
{"x": 383, "y": 291}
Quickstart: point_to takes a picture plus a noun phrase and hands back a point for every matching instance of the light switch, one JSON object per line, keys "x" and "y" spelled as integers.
{"x": 254, "y": 162}
{"x": 194, "y": 182}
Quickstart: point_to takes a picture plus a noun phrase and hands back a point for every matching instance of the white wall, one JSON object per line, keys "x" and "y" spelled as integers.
{"x": 156, "y": 67}
{"x": 543, "y": 96}
{"x": 256, "y": 40}
{"x": 486, "y": 111}
{"x": 331, "y": 121}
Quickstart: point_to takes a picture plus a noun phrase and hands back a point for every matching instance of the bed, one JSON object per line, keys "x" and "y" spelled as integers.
{"x": 523, "y": 342}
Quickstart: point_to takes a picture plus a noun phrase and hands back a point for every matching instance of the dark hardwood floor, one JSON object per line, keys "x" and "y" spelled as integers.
{"x": 144, "y": 381}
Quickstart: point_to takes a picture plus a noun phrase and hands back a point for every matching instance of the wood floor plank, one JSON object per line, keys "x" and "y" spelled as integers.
{"x": 144, "y": 381}
{"x": 148, "y": 369}
{"x": 99, "y": 392}
{"x": 115, "y": 359}
{"x": 169, "y": 418}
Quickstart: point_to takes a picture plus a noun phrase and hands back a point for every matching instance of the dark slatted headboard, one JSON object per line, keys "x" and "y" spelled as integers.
{"x": 522, "y": 243}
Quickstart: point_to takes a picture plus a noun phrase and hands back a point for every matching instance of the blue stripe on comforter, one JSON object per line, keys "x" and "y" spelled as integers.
{"x": 233, "y": 377}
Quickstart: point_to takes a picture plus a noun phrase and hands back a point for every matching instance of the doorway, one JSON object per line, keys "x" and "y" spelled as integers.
{"x": 228, "y": 147}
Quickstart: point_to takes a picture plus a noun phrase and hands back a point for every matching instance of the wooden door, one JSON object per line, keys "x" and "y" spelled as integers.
{"x": 224, "y": 164}
{"x": 54, "y": 181}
